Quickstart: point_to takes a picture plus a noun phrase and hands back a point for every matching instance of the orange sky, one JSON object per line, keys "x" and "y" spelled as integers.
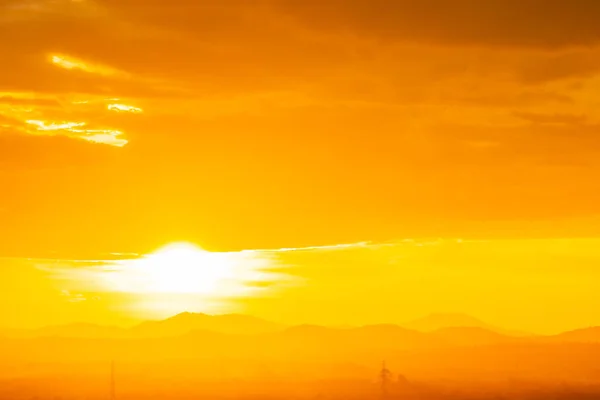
{"x": 127, "y": 125}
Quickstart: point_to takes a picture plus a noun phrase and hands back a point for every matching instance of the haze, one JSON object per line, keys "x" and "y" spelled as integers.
{"x": 331, "y": 173}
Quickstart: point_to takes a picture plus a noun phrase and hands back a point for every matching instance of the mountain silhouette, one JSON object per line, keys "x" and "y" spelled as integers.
{"x": 437, "y": 321}
{"x": 584, "y": 335}
{"x": 447, "y": 351}
{"x": 186, "y": 322}
{"x": 213, "y": 340}
{"x": 432, "y": 331}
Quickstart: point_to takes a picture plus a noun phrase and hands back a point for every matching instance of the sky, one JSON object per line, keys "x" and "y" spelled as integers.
{"x": 281, "y": 124}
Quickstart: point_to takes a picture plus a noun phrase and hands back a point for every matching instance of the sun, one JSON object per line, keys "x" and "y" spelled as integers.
{"x": 183, "y": 277}
{"x": 185, "y": 268}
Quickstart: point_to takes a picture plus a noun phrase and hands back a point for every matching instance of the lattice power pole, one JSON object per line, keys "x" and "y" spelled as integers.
{"x": 385, "y": 377}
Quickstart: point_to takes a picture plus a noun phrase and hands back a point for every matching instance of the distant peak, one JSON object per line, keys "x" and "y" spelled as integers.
{"x": 188, "y": 314}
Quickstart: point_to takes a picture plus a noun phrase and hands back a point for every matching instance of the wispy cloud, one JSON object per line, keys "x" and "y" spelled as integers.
{"x": 72, "y": 63}
{"x": 78, "y": 116}
{"x": 74, "y": 129}
{"x": 312, "y": 248}
{"x": 360, "y": 245}
{"x": 54, "y": 126}
{"x": 124, "y": 108}
{"x": 103, "y": 136}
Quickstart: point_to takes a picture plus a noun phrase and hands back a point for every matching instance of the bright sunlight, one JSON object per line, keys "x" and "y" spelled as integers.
{"x": 184, "y": 268}
{"x": 177, "y": 277}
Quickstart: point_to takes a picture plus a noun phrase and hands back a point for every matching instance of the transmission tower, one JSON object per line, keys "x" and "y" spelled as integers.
{"x": 385, "y": 376}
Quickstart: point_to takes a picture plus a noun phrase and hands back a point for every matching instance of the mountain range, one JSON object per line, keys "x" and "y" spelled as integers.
{"x": 199, "y": 347}
{"x": 452, "y": 329}
{"x": 436, "y": 321}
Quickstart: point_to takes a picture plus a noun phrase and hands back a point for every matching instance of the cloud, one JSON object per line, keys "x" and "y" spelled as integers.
{"x": 76, "y": 130}
{"x": 558, "y": 66}
{"x": 52, "y": 126}
{"x": 505, "y": 23}
{"x": 381, "y": 118}
{"x": 71, "y": 63}
{"x": 147, "y": 41}
{"x": 319, "y": 48}
{"x": 124, "y": 108}
{"x": 43, "y": 115}
{"x": 312, "y": 248}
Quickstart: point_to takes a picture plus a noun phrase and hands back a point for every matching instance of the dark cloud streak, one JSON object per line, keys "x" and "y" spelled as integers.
{"x": 543, "y": 24}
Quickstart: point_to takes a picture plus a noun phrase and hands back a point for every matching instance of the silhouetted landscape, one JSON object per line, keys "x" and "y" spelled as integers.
{"x": 237, "y": 356}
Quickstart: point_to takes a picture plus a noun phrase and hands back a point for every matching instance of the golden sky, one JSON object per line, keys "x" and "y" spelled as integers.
{"x": 267, "y": 124}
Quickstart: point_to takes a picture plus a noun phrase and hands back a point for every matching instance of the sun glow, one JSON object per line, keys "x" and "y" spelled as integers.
{"x": 175, "y": 278}
{"x": 184, "y": 268}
